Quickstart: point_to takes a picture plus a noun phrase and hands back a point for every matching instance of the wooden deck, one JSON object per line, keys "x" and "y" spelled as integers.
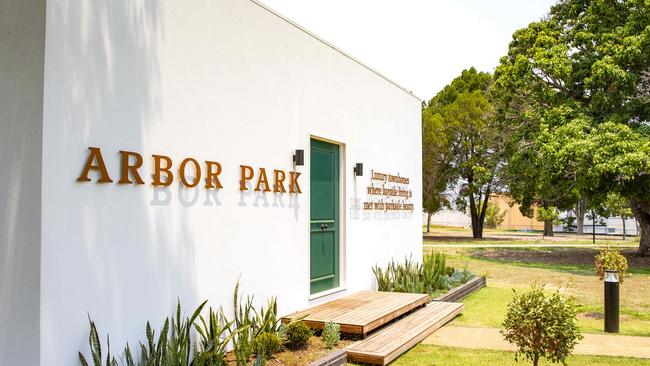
{"x": 389, "y": 343}
{"x": 361, "y": 312}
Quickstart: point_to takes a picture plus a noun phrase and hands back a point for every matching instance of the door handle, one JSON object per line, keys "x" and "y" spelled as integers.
{"x": 323, "y": 227}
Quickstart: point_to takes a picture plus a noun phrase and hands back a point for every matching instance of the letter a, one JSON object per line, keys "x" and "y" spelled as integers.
{"x": 95, "y": 155}
{"x": 262, "y": 179}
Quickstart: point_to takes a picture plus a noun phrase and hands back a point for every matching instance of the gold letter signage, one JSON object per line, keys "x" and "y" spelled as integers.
{"x": 189, "y": 173}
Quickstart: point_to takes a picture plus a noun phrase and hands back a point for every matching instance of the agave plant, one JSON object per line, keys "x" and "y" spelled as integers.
{"x": 215, "y": 334}
{"x": 267, "y": 321}
{"x": 433, "y": 270}
{"x": 172, "y": 348}
{"x": 411, "y": 276}
{"x": 96, "y": 348}
{"x": 244, "y": 325}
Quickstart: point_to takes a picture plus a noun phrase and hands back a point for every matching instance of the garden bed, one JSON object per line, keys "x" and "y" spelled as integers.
{"x": 460, "y": 292}
{"x": 308, "y": 355}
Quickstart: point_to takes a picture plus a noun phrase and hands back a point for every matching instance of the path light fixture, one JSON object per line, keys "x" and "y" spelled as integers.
{"x": 611, "y": 301}
{"x": 299, "y": 157}
{"x": 358, "y": 169}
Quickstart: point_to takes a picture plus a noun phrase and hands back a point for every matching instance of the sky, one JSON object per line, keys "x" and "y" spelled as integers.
{"x": 420, "y": 44}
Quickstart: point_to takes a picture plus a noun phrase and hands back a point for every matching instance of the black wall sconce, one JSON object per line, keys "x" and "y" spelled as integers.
{"x": 358, "y": 169}
{"x": 299, "y": 158}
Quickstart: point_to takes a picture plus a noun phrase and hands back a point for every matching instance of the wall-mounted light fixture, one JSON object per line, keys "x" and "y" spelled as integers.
{"x": 299, "y": 157}
{"x": 358, "y": 169}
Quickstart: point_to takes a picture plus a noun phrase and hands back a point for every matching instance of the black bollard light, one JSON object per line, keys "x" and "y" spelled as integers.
{"x": 611, "y": 301}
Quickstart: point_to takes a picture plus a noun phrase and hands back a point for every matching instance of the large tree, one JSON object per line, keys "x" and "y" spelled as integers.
{"x": 574, "y": 88}
{"x": 461, "y": 116}
{"x": 435, "y": 163}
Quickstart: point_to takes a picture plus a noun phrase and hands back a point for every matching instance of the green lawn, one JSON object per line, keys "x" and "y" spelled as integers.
{"x": 574, "y": 278}
{"x": 448, "y": 356}
{"x": 569, "y": 271}
{"x": 496, "y": 298}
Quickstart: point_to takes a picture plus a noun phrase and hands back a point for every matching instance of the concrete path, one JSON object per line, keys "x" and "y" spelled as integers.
{"x": 490, "y": 338}
{"x": 527, "y": 246}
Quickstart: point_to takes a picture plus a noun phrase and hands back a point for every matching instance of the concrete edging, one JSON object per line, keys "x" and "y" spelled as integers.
{"x": 460, "y": 292}
{"x": 338, "y": 357}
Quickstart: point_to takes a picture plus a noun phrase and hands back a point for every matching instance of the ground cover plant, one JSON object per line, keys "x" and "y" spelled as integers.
{"x": 431, "y": 276}
{"x": 331, "y": 334}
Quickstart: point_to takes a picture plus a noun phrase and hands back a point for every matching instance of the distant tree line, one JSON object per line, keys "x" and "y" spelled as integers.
{"x": 563, "y": 123}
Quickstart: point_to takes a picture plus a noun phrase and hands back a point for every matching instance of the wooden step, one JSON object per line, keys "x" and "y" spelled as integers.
{"x": 361, "y": 312}
{"x": 389, "y": 343}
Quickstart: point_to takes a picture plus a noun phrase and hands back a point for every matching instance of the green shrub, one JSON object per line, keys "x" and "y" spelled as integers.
{"x": 331, "y": 334}
{"x": 298, "y": 334}
{"x": 449, "y": 271}
{"x": 266, "y": 344}
{"x": 612, "y": 260}
{"x": 541, "y": 325}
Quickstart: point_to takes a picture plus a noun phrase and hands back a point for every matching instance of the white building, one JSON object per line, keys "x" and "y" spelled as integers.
{"x": 227, "y": 87}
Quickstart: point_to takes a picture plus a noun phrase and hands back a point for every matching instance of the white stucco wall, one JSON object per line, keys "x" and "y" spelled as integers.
{"x": 214, "y": 80}
{"x": 22, "y": 41}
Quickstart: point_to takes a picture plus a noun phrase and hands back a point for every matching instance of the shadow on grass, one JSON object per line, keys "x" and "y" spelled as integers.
{"x": 568, "y": 260}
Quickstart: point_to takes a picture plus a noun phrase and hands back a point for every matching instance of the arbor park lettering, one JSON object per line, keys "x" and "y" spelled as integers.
{"x": 164, "y": 173}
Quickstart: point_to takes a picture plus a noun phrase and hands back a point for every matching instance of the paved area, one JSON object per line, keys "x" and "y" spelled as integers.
{"x": 490, "y": 338}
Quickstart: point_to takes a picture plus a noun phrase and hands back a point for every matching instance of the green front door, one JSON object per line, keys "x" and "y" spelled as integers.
{"x": 324, "y": 223}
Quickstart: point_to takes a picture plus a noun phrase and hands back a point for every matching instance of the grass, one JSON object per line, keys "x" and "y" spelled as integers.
{"x": 575, "y": 280}
{"x": 449, "y": 356}
{"x": 462, "y": 236}
{"x": 571, "y": 268}
{"x": 534, "y": 241}
{"x": 496, "y": 299}
{"x": 510, "y": 269}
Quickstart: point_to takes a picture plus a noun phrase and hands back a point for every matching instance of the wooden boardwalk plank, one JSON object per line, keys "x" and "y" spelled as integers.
{"x": 390, "y": 342}
{"x": 361, "y": 312}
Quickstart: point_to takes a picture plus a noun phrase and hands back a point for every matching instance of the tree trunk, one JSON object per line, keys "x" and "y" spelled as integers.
{"x": 624, "y": 237}
{"x": 580, "y": 216}
{"x": 548, "y": 228}
{"x": 641, "y": 210}
{"x": 536, "y": 360}
{"x": 593, "y": 227}
{"x": 428, "y": 222}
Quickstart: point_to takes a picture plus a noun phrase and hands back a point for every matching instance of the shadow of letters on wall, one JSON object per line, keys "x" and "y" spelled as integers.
{"x": 254, "y": 184}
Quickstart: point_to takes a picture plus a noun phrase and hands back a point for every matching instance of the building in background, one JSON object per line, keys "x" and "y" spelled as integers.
{"x": 513, "y": 218}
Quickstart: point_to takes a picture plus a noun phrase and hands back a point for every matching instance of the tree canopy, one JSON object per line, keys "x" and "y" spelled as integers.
{"x": 573, "y": 92}
{"x": 458, "y": 127}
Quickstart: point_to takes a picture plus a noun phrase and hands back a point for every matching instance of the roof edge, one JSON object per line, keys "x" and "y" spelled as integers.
{"x": 321, "y": 40}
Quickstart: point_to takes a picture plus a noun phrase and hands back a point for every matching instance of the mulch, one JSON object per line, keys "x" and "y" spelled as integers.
{"x": 567, "y": 256}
